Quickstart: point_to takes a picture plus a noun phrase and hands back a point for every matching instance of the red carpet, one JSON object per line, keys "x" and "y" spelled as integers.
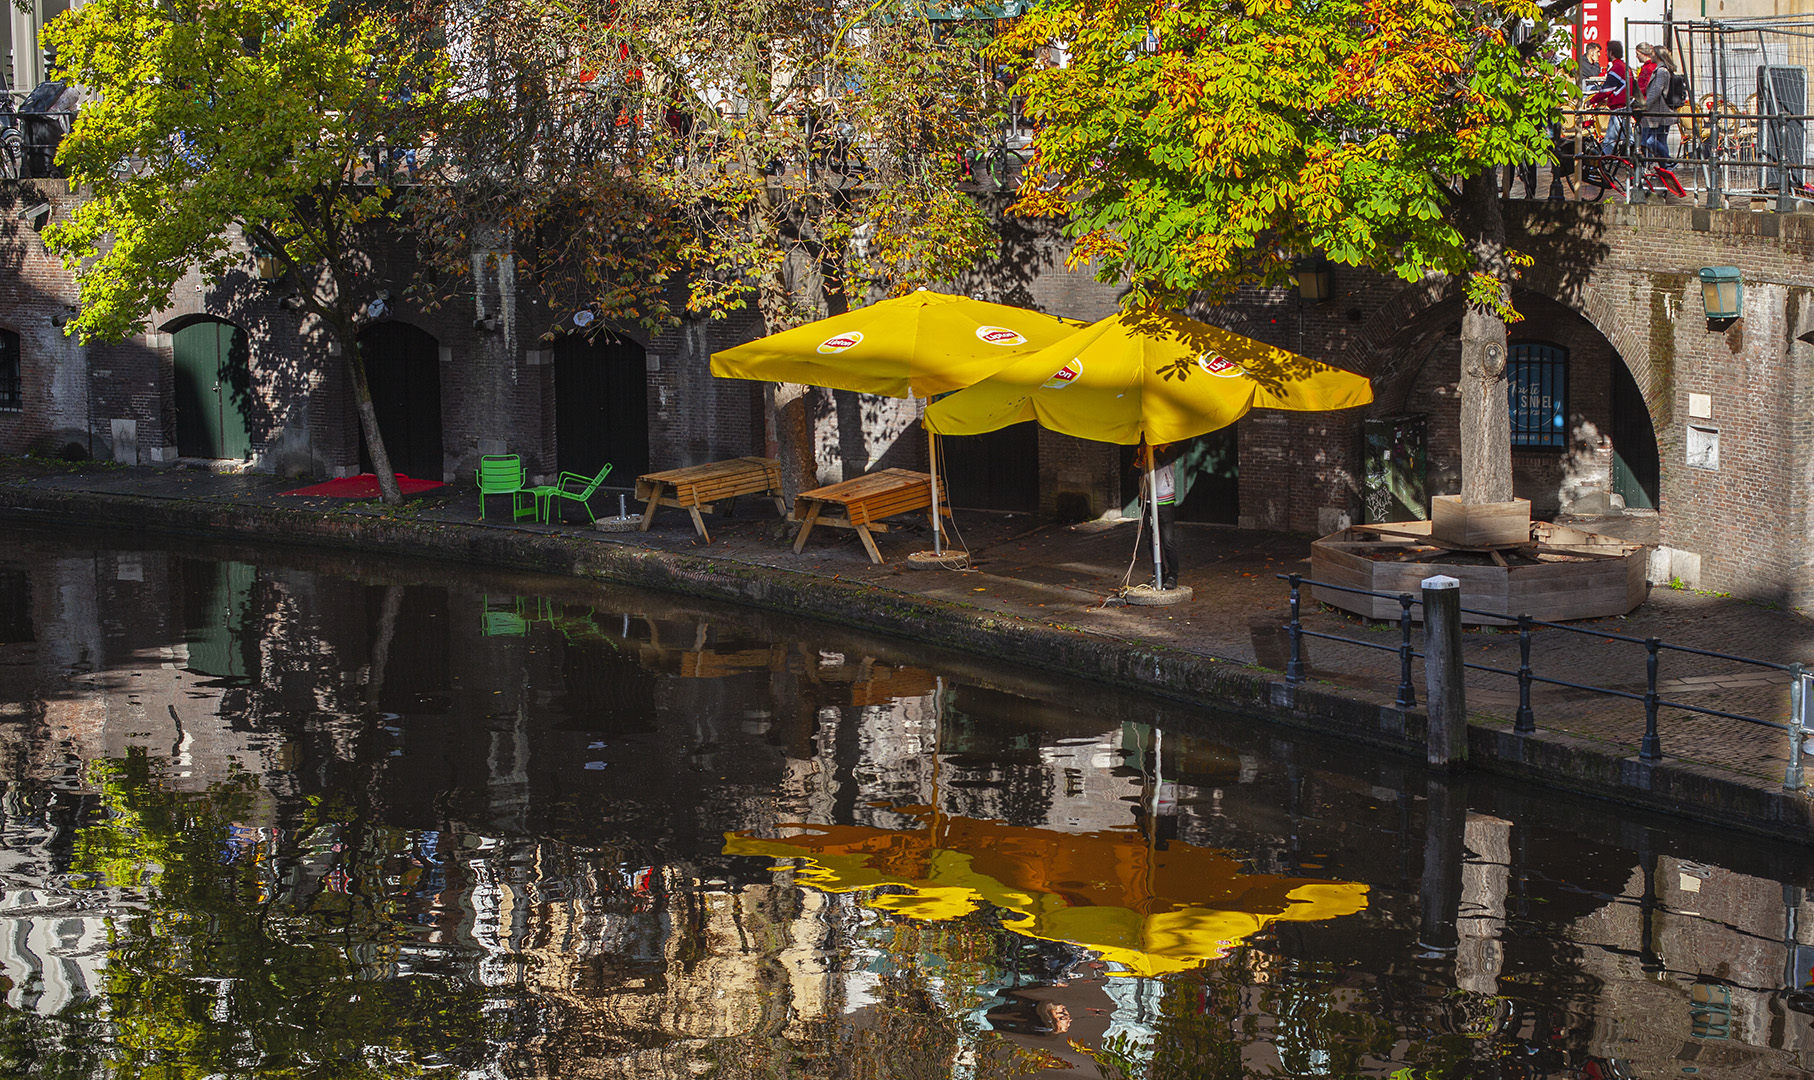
{"x": 364, "y": 486}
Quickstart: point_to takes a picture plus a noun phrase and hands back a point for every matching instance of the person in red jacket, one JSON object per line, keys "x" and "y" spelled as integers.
{"x": 1615, "y": 93}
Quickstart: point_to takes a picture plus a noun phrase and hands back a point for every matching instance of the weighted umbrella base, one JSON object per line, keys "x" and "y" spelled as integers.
{"x": 1147, "y": 596}
{"x": 949, "y": 559}
{"x": 621, "y": 523}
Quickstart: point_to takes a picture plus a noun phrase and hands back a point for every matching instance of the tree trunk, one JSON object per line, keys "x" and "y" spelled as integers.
{"x": 368, "y": 425}
{"x": 1486, "y": 422}
{"x": 790, "y": 434}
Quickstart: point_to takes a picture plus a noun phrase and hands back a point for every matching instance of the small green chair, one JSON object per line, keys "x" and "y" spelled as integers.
{"x": 503, "y": 474}
{"x": 573, "y": 486}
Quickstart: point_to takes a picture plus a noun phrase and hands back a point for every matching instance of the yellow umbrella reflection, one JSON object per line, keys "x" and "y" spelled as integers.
{"x": 1150, "y": 911}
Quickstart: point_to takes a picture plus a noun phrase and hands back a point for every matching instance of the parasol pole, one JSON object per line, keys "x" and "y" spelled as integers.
{"x": 1152, "y": 500}
{"x": 938, "y": 526}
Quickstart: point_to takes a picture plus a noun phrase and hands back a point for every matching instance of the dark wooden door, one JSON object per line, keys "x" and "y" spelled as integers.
{"x": 213, "y": 391}
{"x": 601, "y": 408}
{"x": 996, "y": 471}
{"x": 403, "y": 369}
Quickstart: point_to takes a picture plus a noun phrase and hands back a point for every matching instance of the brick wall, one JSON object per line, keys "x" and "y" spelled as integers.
{"x": 1611, "y": 283}
{"x": 34, "y": 291}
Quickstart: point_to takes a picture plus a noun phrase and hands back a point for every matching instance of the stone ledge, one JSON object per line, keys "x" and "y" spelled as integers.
{"x": 1552, "y": 759}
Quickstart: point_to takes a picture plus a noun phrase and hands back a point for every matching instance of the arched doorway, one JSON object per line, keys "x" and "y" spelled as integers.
{"x": 601, "y": 407}
{"x": 213, "y": 390}
{"x": 403, "y": 369}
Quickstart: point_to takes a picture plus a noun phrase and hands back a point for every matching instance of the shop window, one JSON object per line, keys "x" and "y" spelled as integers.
{"x": 11, "y": 394}
{"x": 1536, "y": 377}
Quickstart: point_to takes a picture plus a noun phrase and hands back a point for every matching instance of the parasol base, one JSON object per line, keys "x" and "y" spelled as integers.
{"x": 1147, "y": 596}
{"x": 623, "y": 523}
{"x": 949, "y": 559}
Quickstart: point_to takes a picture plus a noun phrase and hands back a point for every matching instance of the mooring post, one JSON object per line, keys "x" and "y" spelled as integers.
{"x": 1798, "y": 725}
{"x": 1444, "y": 676}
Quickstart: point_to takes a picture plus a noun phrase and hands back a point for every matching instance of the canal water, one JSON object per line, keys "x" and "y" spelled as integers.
{"x": 303, "y": 814}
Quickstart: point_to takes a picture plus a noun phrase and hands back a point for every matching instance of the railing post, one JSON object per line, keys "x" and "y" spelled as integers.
{"x": 1798, "y": 726}
{"x": 1407, "y": 694}
{"x": 1651, "y": 748}
{"x": 1526, "y": 722}
{"x": 1444, "y": 675}
{"x": 1783, "y": 203}
{"x": 1294, "y": 668}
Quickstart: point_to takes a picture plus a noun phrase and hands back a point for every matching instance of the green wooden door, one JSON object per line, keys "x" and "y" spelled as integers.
{"x": 213, "y": 391}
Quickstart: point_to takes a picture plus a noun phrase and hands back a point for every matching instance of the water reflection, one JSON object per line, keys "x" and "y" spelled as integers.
{"x": 302, "y": 815}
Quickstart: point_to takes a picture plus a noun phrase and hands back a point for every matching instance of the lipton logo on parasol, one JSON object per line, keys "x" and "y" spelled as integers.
{"x": 1000, "y": 335}
{"x": 1219, "y": 365}
{"x": 837, "y": 343}
{"x": 1065, "y": 376}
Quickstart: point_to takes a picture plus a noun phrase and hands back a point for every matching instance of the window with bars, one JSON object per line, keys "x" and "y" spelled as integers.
{"x": 11, "y": 394}
{"x": 1536, "y": 376}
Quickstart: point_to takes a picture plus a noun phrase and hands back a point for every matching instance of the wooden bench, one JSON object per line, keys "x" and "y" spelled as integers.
{"x": 698, "y": 488}
{"x": 864, "y": 502}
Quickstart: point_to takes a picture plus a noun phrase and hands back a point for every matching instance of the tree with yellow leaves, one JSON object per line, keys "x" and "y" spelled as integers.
{"x": 1198, "y": 145}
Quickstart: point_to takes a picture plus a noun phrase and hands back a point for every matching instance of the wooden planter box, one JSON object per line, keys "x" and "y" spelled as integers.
{"x": 1609, "y": 578}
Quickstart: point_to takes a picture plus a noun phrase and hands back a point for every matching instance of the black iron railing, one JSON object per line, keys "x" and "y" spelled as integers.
{"x": 1650, "y": 746}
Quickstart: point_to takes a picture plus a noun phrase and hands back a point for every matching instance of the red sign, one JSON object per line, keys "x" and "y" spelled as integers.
{"x": 1596, "y": 28}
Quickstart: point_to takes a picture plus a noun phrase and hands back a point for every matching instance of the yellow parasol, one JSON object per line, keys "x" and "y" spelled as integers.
{"x": 919, "y": 345}
{"x": 1151, "y": 911}
{"x": 1146, "y": 376}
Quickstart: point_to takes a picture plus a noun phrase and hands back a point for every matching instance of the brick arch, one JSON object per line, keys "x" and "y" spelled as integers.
{"x": 185, "y": 321}
{"x": 1366, "y": 350}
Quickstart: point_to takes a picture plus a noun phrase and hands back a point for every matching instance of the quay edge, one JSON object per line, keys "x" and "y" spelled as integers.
{"x": 1546, "y": 758}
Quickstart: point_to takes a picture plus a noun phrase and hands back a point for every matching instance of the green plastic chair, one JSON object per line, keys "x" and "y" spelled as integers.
{"x": 503, "y": 474}
{"x": 572, "y": 486}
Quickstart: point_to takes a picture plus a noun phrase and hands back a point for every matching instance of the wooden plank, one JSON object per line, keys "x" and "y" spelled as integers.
{"x": 806, "y": 523}
{"x": 869, "y": 544}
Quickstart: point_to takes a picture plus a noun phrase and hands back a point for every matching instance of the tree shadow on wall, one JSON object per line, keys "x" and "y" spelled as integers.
{"x": 1029, "y": 249}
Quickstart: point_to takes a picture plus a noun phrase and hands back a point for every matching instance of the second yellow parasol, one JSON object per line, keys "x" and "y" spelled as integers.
{"x": 1146, "y": 375}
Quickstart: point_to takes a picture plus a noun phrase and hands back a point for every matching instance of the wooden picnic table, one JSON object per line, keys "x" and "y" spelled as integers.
{"x": 698, "y": 488}
{"x": 864, "y": 502}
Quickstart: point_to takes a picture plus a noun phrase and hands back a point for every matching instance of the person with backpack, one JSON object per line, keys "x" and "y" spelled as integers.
{"x": 1657, "y": 115}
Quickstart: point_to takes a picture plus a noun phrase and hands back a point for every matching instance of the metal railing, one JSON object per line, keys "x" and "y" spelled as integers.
{"x": 1799, "y": 726}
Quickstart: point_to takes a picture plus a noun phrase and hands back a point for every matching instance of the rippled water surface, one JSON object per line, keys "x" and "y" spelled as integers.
{"x": 296, "y": 814}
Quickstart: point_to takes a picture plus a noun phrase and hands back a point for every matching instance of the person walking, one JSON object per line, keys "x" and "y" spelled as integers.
{"x": 1657, "y": 115}
{"x": 1615, "y": 94}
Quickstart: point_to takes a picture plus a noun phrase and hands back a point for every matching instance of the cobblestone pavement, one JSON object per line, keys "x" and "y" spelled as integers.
{"x": 1068, "y": 575}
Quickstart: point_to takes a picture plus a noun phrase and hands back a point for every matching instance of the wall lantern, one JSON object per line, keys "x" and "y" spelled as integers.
{"x": 1312, "y": 278}
{"x": 1722, "y": 292}
{"x": 269, "y": 269}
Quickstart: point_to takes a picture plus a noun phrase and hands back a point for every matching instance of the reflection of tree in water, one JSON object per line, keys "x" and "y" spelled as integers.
{"x": 213, "y": 968}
